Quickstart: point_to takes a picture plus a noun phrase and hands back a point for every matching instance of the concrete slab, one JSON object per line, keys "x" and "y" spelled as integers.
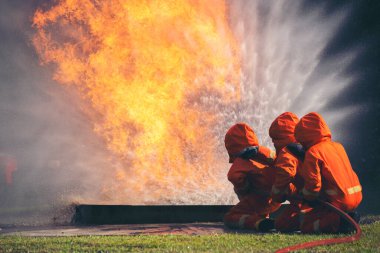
{"x": 148, "y": 214}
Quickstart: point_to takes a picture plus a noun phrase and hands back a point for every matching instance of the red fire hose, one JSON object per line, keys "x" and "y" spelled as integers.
{"x": 346, "y": 239}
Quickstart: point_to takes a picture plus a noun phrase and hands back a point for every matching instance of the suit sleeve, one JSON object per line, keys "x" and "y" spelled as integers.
{"x": 266, "y": 155}
{"x": 311, "y": 173}
{"x": 285, "y": 171}
{"x": 237, "y": 175}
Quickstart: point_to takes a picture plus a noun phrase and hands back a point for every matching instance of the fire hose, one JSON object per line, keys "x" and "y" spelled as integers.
{"x": 330, "y": 241}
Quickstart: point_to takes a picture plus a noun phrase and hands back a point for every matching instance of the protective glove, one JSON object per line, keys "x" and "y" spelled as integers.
{"x": 297, "y": 150}
{"x": 249, "y": 153}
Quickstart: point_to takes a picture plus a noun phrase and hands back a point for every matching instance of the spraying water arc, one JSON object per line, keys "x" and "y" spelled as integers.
{"x": 282, "y": 46}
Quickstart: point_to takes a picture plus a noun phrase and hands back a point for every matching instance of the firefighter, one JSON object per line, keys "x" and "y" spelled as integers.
{"x": 288, "y": 182}
{"x": 327, "y": 175}
{"x": 252, "y": 178}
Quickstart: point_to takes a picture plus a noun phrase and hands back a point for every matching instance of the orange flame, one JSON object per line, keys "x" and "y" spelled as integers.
{"x": 147, "y": 70}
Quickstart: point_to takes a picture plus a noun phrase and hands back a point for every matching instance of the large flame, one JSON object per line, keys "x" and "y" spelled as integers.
{"x": 152, "y": 74}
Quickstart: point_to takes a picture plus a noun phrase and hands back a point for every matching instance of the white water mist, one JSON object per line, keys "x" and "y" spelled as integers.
{"x": 282, "y": 43}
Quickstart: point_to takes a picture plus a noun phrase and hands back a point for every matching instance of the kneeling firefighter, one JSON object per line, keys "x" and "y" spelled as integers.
{"x": 288, "y": 182}
{"x": 252, "y": 178}
{"x": 327, "y": 175}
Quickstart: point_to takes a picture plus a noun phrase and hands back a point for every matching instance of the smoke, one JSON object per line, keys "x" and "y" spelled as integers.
{"x": 58, "y": 156}
{"x": 61, "y": 160}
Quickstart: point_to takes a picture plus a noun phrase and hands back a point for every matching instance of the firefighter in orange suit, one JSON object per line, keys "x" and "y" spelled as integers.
{"x": 327, "y": 175}
{"x": 252, "y": 179}
{"x": 287, "y": 182}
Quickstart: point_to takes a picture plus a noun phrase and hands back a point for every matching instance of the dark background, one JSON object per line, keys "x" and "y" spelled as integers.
{"x": 361, "y": 30}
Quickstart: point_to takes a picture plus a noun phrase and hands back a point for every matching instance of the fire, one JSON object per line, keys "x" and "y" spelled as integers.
{"x": 152, "y": 74}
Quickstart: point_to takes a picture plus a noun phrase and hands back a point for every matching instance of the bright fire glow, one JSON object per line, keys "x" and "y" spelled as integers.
{"x": 146, "y": 71}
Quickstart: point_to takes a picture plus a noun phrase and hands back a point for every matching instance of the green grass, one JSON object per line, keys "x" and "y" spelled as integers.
{"x": 370, "y": 242}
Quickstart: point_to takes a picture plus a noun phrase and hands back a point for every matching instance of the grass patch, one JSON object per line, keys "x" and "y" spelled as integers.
{"x": 370, "y": 242}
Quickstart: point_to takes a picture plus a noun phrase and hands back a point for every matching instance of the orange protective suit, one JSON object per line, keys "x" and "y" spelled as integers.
{"x": 327, "y": 174}
{"x": 252, "y": 179}
{"x": 288, "y": 182}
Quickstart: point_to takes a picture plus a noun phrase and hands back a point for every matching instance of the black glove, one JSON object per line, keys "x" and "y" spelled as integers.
{"x": 249, "y": 153}
{"x": 297, "y": 150}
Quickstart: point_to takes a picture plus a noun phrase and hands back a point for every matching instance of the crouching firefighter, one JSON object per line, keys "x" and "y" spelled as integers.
{"x": 328, "y": 176}
{"x": 252, "y": 178}
{"x": 288, "y": 182}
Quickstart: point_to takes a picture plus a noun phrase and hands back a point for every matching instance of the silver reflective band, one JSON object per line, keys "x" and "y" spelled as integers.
{"x": 331, "y": 192}
{"x": 309, "y": 193}
{"x": 242, "y": 220}
{"x": 355, "y": 189}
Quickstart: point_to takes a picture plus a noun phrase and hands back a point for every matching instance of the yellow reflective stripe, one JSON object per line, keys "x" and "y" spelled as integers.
{"x": 331, "y": 192}
{"x": 316, "y": 226}
{"x": 309, "y": 193}
{"x": 355, "y": 189}
{"x": 242, "y": 220}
